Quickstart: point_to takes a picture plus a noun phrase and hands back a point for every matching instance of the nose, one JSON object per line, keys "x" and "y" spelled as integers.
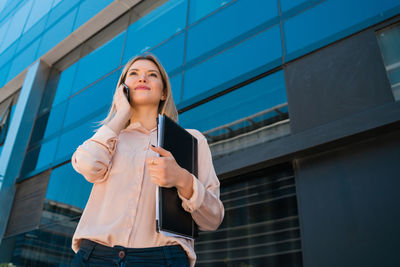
{"x": 142, "y": 77}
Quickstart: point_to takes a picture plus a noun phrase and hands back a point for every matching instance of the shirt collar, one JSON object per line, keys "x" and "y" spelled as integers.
{"x": 139, "y": 127}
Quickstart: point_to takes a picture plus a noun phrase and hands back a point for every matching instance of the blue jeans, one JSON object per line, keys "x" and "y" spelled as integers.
{"x": 94, "y": 254}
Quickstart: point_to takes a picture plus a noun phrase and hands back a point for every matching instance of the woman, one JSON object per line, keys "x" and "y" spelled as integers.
{"x": 117, "y": 226}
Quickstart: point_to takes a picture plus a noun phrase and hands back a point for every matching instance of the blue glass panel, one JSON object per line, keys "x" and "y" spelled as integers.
{"x": 46, "y": 155}
{"x": 155, "y": 27}
{"x": 332, "y": 20}
{"x": 23, "y": 60}
{"x": 39, "y": 9}
{"x": 88, "y": 9}
{"x": 4, "y": 73}
{"x": 69, "y": 187}
{"x": 56, "y": 118}
{"x": 98, "y": 63}
{"x": 16, "y": 25}
{"x": 40, "y": 126}
{"x": 170, "y": 53}
{"x": 30, "y": 161}
{"x": 71, "y": 139}
{"x": 2, "y": 4}
{"x": 93, "y": 98}
{"x": 57, "y": 32}
{"x": 58, "y": 12}
{"x": 241, "y": 62}
{"x": 10, "y": 6}
{"x": 50, "y": 91}
{"x": 8, "y": 54}
{"x": 176, "y": 86}
{"x": 201, "y": 8}
{"x": 65, "y": 84}
{"x": 55, "y": 3}
{"x": 34, "y": 32}
{"x": 291, "y": 7}
{"x": 233, "y": 23}
{"x": 3, "y": 30}
{"x": 245, "y": 101}
{"x": 289, "y": 4}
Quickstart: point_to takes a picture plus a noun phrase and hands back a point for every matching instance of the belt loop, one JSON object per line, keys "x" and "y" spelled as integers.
{"x": 88, "y": 252}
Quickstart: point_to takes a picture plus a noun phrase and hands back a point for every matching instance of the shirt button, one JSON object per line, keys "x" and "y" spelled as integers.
{"x": 121, "y": 254}
{"x": 145, "y": 148}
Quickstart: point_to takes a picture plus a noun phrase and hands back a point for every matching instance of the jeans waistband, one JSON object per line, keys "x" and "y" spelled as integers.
{"x": 93, "y": 248}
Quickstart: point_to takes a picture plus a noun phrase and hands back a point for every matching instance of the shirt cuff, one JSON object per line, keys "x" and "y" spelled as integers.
{"x": 106, "y": 137}
{"x": 196, "y": 199}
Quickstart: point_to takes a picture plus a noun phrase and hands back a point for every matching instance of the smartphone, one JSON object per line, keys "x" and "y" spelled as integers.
{"x": 126, "y": 91}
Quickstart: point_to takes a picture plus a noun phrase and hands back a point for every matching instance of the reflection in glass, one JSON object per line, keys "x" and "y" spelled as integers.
{"x": 262, "y": 95}
{"x": 389, "y": 42}
{"x": 50, "y": 245}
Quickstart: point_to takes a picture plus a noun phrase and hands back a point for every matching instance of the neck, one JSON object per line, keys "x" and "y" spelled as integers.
{"x": 146, "y": 115}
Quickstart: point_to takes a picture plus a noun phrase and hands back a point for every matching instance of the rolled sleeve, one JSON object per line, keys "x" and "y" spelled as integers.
{"x": 106, "y": 137}
{"x": 93, "y": 159}
{"x": 196, "y": 199}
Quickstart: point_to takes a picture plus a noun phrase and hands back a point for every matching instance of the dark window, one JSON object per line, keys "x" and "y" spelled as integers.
{"x": 6, "y": 108}
{"x": 261, "y": 225}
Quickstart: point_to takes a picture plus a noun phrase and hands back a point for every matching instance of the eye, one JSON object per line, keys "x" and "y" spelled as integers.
{"x": 133, "y": 73}
{"x": 153, "y": 74}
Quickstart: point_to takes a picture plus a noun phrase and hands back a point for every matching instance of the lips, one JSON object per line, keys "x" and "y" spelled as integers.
{"x": 142, "y": 87}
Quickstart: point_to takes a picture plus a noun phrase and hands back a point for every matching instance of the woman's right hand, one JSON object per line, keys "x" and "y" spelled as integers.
{"x": 121, "y": 103}
{"x": 124, "y": 111}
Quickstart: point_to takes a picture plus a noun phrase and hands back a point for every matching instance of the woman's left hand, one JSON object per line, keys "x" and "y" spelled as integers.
{"x": 165, "y": 172}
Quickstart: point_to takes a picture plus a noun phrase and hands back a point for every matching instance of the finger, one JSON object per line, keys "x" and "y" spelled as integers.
{"x": 153, "y": 180}
{"x": 152, "y": 161}
{"x": 161, "y": 151}
{"x": 160, "y": 182}
{"x": 118, "y": 92}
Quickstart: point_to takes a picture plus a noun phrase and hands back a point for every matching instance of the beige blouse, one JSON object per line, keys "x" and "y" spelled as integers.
{"x": 121, "y": 206}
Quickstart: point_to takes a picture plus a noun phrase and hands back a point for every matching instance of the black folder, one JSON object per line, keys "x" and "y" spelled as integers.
{"x": 171, "y": 218}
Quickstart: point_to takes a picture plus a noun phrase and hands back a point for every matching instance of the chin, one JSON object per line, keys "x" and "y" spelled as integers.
{"x": 143, "y": 102}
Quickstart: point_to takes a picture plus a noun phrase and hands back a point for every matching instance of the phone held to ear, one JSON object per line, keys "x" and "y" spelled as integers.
{"x": 126, "y": 91}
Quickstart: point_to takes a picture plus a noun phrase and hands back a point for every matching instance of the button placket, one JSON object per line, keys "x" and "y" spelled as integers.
{"x": 135, "y": 199}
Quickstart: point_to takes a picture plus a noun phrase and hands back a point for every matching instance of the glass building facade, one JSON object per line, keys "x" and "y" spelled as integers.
{"x": 272, "y": 84}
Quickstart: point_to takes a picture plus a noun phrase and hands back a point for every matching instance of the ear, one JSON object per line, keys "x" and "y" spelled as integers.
{"x": 164, "y": 96}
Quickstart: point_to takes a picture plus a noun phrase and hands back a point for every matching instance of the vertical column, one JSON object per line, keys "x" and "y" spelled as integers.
{"x": 18, "y": 136}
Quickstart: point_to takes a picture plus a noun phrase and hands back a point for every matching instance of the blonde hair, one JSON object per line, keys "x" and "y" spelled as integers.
{"x": 166, "y": 106}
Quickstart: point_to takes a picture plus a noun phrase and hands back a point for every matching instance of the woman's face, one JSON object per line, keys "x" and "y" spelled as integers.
{"x": 145, "y": 83}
